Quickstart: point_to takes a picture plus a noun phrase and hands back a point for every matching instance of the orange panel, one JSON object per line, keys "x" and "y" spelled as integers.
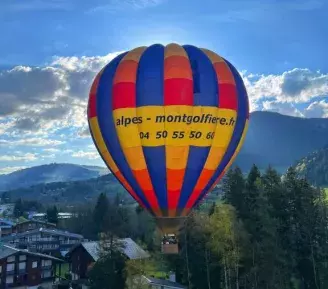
{"x": 135, "y": 158}
{"x": 126, "y": 72}
{"x": 203, "y": 180}
{"x": 174, "y": 179}
{"x": 177, "y": 67}
{"x": 223, "y": 73}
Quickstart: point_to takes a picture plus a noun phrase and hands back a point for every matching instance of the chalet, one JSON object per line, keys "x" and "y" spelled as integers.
{"x": 44, "y": 240}
{"x": 6, "y": 227}
{"x": 23, "y": 269}
{"x": 84, "y": 255}
{"x": 29, "y": 225}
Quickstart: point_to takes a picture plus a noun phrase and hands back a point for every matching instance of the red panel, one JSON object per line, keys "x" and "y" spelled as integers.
{"x": 92, "y": 109}
{"x": 228, "y": 96}
{"x": 178, "y": 91}
{"x": 124, "y": 95}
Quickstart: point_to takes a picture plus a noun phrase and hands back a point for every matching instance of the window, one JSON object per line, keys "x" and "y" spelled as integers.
{"x": 10, "y": 280}
{"x": 22, "y": 265}
{"x": 11, "y": 259}
{"x": 22, "y": 257}
{"x": 35, "y": 264}
{"x": 46, "y": 263}
{"x": 46, "y": 274}
{"x": 10, "y": 267}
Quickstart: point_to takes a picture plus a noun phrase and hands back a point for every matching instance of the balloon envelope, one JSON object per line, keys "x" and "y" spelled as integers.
{"x": 168, "y": 121}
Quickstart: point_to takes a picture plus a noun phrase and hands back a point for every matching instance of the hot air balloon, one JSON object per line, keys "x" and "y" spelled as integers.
{"x": 168, "y": 121}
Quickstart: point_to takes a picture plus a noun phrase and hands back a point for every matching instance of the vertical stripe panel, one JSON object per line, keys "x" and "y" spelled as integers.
{"x": 239, "y": 131}
{"x": 205, "y": 89}
{"x": 124, "y": 104}
{"x": 150, "y": 93}
{"x": 107, "y": 127}
{"x": 178, "y": 93}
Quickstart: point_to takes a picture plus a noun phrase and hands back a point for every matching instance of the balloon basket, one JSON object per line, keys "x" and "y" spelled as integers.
{"x": 170, "y": 244}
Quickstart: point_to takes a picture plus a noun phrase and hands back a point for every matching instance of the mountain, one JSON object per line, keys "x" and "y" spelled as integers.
{"x": 48, "y": 174}
{"x": 77, "y": 192}
{"x": 314, "y": 167}
{"x": 281, "y": 140}
{"x": 71, "y": 192}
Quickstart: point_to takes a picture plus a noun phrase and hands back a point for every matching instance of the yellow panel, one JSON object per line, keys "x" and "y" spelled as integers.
{"x": 205, "y": 128}
{"x": 134, "y": 54}
{"x": 241, "y": 142}
{"x": 135, "y": 158}
{"x": 212, "y": 55}
{"x": 126, "y": 122}
{"x": 174, "y": 125}
{"x": 176, "y": 157}
{"x": 174, "y": 49}
{"x": 149, "y": 128}
{"x": 95, "y": 130}
{"x": 225, "y": 126}
{"x": 214, "y": 158}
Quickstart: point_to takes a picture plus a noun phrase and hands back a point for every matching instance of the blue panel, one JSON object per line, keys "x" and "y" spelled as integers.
{"x": 196, "y": 161}
{"x": 150, "y": 76}
{"x": 204, "y": 77}
{"x": 156, "y": 164}
{"x": 150, "y": 91}
{"x": 242, "y": 114}
{"x": 107, "y": 126}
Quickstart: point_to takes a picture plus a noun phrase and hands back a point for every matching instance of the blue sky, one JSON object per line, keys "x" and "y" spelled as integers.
{"x": 51, "y": 50}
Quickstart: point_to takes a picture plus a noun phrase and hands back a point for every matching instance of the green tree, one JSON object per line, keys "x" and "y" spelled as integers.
{"x": 100, "y": 214}
{"x": 52, "y": 215}
{"x": 18, "y": 208}
{"x": 109, "y": 270}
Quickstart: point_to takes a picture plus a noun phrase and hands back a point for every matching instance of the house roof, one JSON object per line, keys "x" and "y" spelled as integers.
{"x": 6, "y": 251}
{"x": 130, "y": 249}
{"x": 163, "y": 282}
{"x": 36, "y": 221}
{"x": 7, "y": 222}
{"x": 45, "y": 230}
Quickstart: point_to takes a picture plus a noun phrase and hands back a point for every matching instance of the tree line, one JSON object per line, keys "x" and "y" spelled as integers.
{"x": 266, "y": 231}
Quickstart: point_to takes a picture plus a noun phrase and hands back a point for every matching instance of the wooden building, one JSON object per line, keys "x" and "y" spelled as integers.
{"x": 83, "y": 256}
{"x": 29, "y": 225}
{"x": 23, "y": 269}
{"x": 6, "y": 227}
{"x": 44, "y": 240}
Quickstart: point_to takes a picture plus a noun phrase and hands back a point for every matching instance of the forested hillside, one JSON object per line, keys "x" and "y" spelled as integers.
{"x": 314, "y": 167}
{"x": 268, "y": 232}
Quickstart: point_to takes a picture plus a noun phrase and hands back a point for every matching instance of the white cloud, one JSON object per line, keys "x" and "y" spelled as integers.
{"x": 297, "y": 85}
{"x": 18, "y": 158}
{"x": 8, "y": 170}
{"x": 317, "y": 109}
{"x": 36, "y": 142}
{"x": 86, "y": 155}
{"x": 41, "y": 100}
{"x": 51, "y": 150}
{"x": 282, "y": 107}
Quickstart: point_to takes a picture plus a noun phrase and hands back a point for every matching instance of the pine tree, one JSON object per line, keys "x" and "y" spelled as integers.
{"x": 100, "y": 214}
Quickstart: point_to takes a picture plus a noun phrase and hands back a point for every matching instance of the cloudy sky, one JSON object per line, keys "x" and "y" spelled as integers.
{"x": 51, "y": 49}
